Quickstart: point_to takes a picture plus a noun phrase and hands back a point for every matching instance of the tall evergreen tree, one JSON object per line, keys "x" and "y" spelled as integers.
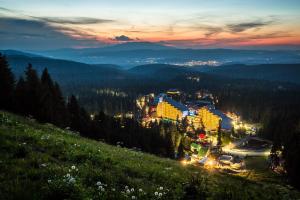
{"x": 74, "y": 113}
{"x": 7, "y": 84}
{"x": 47, "y": 104}
{"x": 32, "y": 100}
{"x": 19, "y": 96}
{"x": 79, "y": 118}
{"x": 61, "y": 117}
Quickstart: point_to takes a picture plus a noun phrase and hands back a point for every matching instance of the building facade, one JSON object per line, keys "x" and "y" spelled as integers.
{"x": 168, "y": 108}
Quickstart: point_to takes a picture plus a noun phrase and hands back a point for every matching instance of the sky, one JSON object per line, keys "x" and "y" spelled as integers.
{"x": 45, "y": 24}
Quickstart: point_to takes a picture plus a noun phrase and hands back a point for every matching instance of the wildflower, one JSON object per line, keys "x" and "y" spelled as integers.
{"x": 49, "y": 181}
{"x": 161, "y": 188}
{"x": 68, "y": 175}
{"x": 133, "y": 197}
{"x": 43, "y": 165}
{"x": 98, "y": 183}
{"x": 73, "y": 167}
{"x": 132, "y": 189}
{"x": 160, "y": 194}
{"x": 127, "y": 191}
{"x": 155, "y": 193}
{"x": 72, "y": 180}
{"x": 126, "y": 187}
{"x": 140, "y": 190}
{"x": 113, "y": 189}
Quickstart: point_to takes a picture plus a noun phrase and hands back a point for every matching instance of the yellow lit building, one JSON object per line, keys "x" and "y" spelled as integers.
{"x": 170, "y": 109}
{"x": 209, "y": 119}
{"x": 205, "y": 117}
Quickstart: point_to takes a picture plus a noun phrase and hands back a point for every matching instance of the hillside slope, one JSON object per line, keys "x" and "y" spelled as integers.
{"x": 65, "y": 71}
{"x": 44, "y": 162}
{"x": 273, "y": 72}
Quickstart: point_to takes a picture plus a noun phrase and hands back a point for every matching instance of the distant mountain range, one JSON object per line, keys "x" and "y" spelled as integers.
{"x": 71, "y": 72}
{"x": 131, "y": 54}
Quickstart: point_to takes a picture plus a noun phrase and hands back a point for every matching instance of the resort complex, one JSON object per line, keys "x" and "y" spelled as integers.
{"x": 200, "y": 114}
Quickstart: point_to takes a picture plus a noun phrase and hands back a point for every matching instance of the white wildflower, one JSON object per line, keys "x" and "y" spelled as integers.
{"x": 98, "y": 183}
{"x": 126, "y": 187}
{"x": 132, "y": 189}
{"x": 133, "y": 197}
{"x": 68, "y": 175}
{"x": 72, "y": 180}
{"x": 161, "y": 188}
{"x": 44, "y": 165}
{"x": 155, "y": 193}
{"x": 113, "y": 189}
{"x": 49, "y": 181}
{"x": 140, "y": 190}
{"x": 127, "y": 191}
{"x": 73, "y": 167}
{"x": 160, "y": 194}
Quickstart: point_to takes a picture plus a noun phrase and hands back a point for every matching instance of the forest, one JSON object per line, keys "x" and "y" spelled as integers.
{"x": 273, "y": 104}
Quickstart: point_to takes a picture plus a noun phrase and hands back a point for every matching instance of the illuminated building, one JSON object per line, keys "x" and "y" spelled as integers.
{"x": 201, "y": 115}
{"x": 174, "y": 94}
{"x": 170, "y": 109}
{"x": 210, "y": 118}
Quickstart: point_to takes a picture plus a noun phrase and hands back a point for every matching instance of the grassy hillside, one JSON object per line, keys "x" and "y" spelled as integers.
{"x": 44, "y": 162}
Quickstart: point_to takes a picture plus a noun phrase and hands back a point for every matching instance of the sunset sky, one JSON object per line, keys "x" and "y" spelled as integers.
{"x": 36, "y": 24}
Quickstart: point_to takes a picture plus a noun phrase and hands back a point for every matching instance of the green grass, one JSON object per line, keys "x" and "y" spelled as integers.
{"x": 44, "y": 162}
{"x": 259, "y": 170}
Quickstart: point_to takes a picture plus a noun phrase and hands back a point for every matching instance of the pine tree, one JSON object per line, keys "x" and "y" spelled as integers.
{"x": 47, "y": 107}
{"x": 33, "y": 88}
{"x": 7, "y": 84}
{"x": 181, "y": 153}
{"x": 74, "y": 113}
{"x": 19, "y": 97}
{"x": 61, "y": 117}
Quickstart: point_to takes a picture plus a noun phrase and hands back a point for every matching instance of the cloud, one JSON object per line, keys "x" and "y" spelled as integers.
{"x": 34, "y": 34}
{"x": 206, "y": 42}
{"x": 210, "y": 31}
{"x": 123, "y": 38}
{"x": 5, "y": 9}
{"x": 240, "y": 27}
{"x": 73, "y": 20}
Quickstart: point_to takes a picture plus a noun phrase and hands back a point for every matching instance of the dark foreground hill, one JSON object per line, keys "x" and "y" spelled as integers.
{"x": 45, "y": 162}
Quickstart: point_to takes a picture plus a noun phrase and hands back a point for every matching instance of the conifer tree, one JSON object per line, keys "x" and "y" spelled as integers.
{"x": 32, "y": 99}
{"x": 47, "y": 107}
{"x": 19, "y": 96}
{"x": 7, "y": 84}
{"x": 74, "y": 113}
{"x": 61, "y": 117}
